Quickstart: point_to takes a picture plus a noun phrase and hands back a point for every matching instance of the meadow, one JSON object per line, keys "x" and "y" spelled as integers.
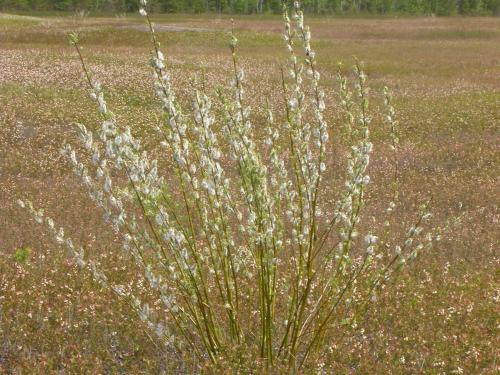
{"x": 440, "y": 316}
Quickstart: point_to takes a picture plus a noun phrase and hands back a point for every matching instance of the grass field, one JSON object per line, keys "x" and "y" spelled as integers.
{"x": 443, "y": 314}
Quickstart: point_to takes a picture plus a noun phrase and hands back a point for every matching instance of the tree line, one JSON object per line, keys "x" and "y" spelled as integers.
{"x": 416, "y": 7}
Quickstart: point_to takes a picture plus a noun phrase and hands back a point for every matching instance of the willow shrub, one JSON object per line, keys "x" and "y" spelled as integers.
{"x": 253, "y": 266}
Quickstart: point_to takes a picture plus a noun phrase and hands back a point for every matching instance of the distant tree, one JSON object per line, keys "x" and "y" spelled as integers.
{"x": 446, "y": 7}
{"x": 62, "y": 4}
{"x": 492, "y": 6}
{"x": 417, "y": 7}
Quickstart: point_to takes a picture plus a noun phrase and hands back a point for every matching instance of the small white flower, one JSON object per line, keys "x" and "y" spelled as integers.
{"x": 143, "y": 12}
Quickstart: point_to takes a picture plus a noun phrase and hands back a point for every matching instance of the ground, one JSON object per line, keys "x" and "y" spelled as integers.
{"x": 442, "y": 315}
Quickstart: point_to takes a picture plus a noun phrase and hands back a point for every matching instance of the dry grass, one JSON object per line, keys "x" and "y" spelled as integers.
{"x": 445, "y": 73}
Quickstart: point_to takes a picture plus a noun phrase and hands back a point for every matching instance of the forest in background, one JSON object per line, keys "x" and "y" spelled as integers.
{"x": 347, "y": 7}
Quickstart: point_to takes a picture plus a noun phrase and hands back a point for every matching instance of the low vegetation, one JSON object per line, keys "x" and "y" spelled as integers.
{"x": 438, "y": 316}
